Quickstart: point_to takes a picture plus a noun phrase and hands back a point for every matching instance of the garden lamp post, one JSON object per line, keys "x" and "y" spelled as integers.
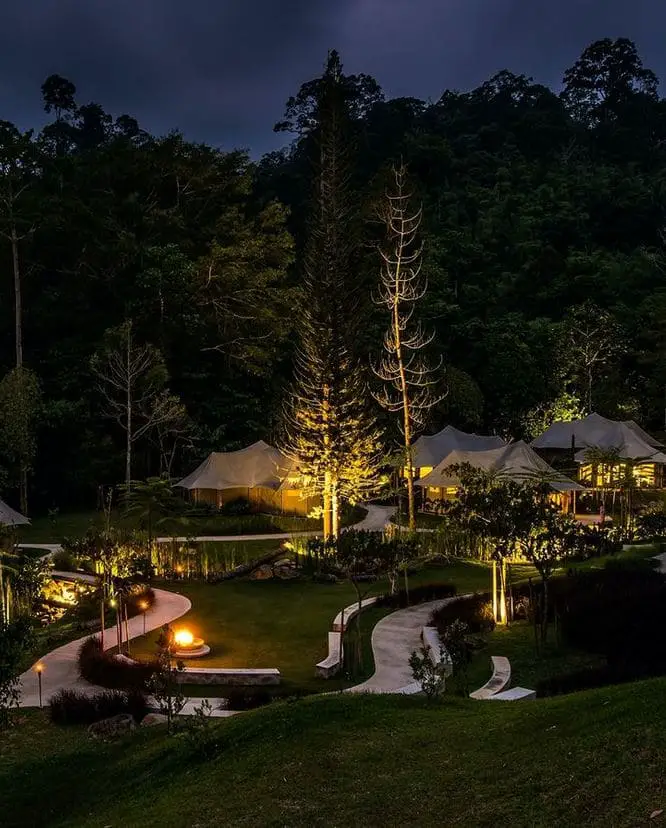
{"x": 39, "y": 669}
{"x": 144, "y": 608}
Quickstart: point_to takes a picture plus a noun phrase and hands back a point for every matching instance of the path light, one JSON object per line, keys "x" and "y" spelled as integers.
{"x": 143, "y": 605}
{"x": 187, "y": 646}
{"x": 39, "y": 669}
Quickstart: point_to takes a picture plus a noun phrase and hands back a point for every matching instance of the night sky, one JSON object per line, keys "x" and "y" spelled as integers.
{"x": 221, "y": 70}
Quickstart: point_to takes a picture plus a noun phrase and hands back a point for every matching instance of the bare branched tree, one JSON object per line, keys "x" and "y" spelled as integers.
{"x": 131, "y": 382}
{"x": 593, "y": 339}
{"x": 409, "y": 381}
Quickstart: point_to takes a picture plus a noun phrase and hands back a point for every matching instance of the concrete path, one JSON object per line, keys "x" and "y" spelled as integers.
{"x": 394, "y": 639}
{"x": 662, "y": 561}
{"x": 49, "y": 548}
{"x": 230, "y": 538}
{"x": 60, "y": 666}
{"x": 84, "y": 577}
{"x": 377, "y": 519}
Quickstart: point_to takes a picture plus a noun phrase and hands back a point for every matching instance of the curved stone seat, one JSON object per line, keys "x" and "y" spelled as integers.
{"x": 436, "y": 650}
{"x": 499, "y": 681}
{"x": 331, "y": 664}
{"x": 333, "y": 661}
{"x": 349, "y": 613}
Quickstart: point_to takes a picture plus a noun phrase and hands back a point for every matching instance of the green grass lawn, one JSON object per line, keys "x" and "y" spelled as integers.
{"x": 72, "y": 525}
{"x": 528, "y": 666}
{"x": 589, "y": 759}
{"x": 284, "y": 624}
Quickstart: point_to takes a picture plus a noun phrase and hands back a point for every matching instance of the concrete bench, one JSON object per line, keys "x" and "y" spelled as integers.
{"x": 350, "y": 612}
{"x": 499, "y": 681}
{"x": 332, "y": 664}
{"x": 333, "y": 661}
{"x": 514, "y": 694}
{"x": 436, "y": 651}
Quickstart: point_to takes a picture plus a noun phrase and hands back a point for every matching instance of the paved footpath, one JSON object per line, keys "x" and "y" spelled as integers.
{"x": 394, "y": 639}
{"x": 377, "y": 519}
{"x": 60, "y": 666}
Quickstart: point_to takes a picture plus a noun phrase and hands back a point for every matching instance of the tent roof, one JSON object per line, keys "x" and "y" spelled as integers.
{"x": 428, "y": 451}
{"x": 9, "y": 517}
{"x": 516, "y": 461}
{"x": 595, "y": 431}
{"x": 257, "y": 466}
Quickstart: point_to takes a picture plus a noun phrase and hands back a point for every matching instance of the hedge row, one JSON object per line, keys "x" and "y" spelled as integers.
{"x": 69, "y": 707}
{"x": 417, "y": 595}
{"x": 473, "y": 610}
{"x": 103, "y": 669}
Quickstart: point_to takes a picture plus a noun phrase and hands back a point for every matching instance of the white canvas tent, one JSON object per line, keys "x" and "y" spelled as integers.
{"x": 516, "y": 461}
{"x": 595, "y": 431}
{"x": 10, "y": 517}
{"x": 260, "y": 473}
{"x": 429, "y": 451}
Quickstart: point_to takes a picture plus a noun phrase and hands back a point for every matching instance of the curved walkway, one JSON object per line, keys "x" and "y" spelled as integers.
{"x": 377, "y": 519}
{"x": 60, "y": 666}
{"x": 394, "y": 639}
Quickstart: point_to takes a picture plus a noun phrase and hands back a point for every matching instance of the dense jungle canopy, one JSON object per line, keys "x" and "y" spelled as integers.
{"x": 543, "y": 214}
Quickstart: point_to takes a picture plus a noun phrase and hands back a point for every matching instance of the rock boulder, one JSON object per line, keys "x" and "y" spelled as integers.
{"x": 112, "y": 728}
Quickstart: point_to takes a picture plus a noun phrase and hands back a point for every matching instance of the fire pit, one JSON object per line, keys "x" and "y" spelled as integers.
{"x": 185, "y": 645}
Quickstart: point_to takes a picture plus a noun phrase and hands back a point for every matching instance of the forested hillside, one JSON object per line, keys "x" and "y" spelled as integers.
{"x": 175, "y": 268}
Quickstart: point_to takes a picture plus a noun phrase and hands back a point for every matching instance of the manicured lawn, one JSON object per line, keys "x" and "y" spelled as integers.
{"x": 517, "y": 643}
{"x": 588, "y": 759}
{"x": 284, "y": 624}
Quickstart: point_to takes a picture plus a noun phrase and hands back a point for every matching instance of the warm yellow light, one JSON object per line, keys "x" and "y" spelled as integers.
{"x": 112, "y": 602}
{"x": 144, "y": 605}
{"x": 183, "y": 638}
{"x": 39, "y": 668}
{"x": 179, "y": 568}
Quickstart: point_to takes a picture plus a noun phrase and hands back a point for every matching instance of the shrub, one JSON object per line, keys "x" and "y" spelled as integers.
{"x": 239, "y": 506}
{"x": 64, "y": 561}
{"x": 139, "y": 595}
{"x": 473, "y": 610}
{"x": 101, "y": 668}
{"x": 247, "y": 698}
{"x": 69, "y": 707}
{"x": 651, "y": 524}
{"x": 417, "y": 595}
{"x": 430, "y": 675}
{"x": 618, "y": 612}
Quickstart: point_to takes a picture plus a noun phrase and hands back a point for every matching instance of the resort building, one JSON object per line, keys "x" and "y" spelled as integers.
{"x": 428, "y": 452}
{"x": 605, "y": 451}
{"x": 516, "y": 461}
{"x": 259, "y": 473}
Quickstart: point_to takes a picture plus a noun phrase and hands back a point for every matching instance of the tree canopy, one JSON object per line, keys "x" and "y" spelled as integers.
{"x": 537, "y": 206}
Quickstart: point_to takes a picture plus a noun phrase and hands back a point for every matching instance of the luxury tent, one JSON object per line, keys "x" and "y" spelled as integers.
{"x": 260, "y": 473}
{"x": 516, "y": 461}
{"x": 9, "y": 517}
{"x": 428, "y": 452}
{"x": 625, "y": 438}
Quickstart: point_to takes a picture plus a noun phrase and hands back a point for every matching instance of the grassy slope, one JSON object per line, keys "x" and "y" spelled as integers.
{"x": 594, "y": 758}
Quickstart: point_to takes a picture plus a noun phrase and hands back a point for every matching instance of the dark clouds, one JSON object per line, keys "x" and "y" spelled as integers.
{"x": 221, "y": 70}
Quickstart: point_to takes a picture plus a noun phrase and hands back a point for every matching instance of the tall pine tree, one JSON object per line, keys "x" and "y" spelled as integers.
{"x": 331, "y": 433}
